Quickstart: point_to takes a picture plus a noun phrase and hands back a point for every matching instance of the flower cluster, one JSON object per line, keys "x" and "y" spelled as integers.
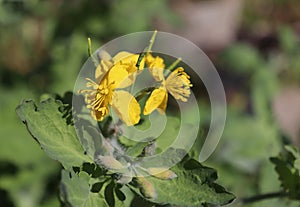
{"x": 114, "y": 74}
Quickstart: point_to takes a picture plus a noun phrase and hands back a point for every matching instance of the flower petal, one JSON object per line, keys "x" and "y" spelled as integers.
{"x": 121, "y": 55}
{"x": 156, "y": 67}
{"x": 157, "y": 100}
{"x": 127, "y": 108}
{"x": 119, "y": 76}
{"x": 129, "y": 60}
{"x": 162, "y": 107}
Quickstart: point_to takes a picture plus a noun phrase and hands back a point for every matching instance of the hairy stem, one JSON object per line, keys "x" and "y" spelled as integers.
{"x": 146, "y": 50}
{"x": 174, "y": 64}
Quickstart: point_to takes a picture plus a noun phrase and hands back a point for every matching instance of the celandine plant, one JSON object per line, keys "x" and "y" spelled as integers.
{"x": 98, "y": 136}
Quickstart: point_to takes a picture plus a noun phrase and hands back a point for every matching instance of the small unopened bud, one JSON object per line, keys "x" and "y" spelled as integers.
{"x": 125, "y": 179}
{"x": 150, "y": 149}
{"x": 109, "y": 162}
{"x": 146, "y": 187}
{"x": 162, "y": 173}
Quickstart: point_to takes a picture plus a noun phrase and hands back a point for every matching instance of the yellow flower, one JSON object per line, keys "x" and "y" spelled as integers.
{"x": 113, "y": 74}
{"x": 126, "y": 59}
{"x": 155, "y": 66}
{"x": 177, "y": 84}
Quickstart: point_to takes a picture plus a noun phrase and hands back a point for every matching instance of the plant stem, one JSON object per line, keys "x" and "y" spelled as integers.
{"x": 146, "y": 50}
{"x": 142, "y": 55}
{"x": 174, "y": 64}
{"x": 152, "y": 41}
{"x": 257, "y": 198}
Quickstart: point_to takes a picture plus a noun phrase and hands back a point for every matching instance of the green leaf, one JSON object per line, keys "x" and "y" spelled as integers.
{"x": 46, "y": 124}
{"x": 293, "y": 150}
{"x": 286, "y": 166}
{"x": 297, "y": 164}
{"x": 193, "y": 186}
{"x": 114, "y": 196}
{"x": 287, "y": 177}
{"x": 91, "y": 140}
{"x": 75, "y": 190}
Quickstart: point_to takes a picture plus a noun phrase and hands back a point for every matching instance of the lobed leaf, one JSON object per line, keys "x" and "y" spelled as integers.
{"x": 46, "y": 124}
{"x": 287, "y": 168}
{"x": 194, "y": 186}
{"x": 75, "y": 190}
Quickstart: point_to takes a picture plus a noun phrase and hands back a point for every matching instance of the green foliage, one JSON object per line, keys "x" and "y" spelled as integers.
{"x": 252, "y": 134}
{"x": 43, "y": 45}
{"x": 85, "y": 184}
{"x": 251, "y": 115}
{"x": 75, "y": 190}
{"x": 287, "y": 167}
{"x": 193, "y": 186}
{"x": 59, "y": 140}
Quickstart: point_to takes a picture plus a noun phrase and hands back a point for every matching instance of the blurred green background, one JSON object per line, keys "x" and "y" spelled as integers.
{"x": 254, "y": 45}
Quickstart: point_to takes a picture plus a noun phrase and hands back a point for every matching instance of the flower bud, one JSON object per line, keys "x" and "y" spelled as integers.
{"x": 125, "y": 179}
{"x": 162, "y": 173}
{"x": 146, "y": 187}
{"x": 109, "y": 162}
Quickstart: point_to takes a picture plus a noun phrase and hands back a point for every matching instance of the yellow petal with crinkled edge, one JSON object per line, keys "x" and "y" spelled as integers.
{"x": 162, "y": 173}
{"x": 122, "y": 55}
{"x": 127, "y": 108}
{"x": 157, "y": 100}
{"x": 162, "y": 107}
{"x": 119, "y": 76}
{"x": 129, "y": 60}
